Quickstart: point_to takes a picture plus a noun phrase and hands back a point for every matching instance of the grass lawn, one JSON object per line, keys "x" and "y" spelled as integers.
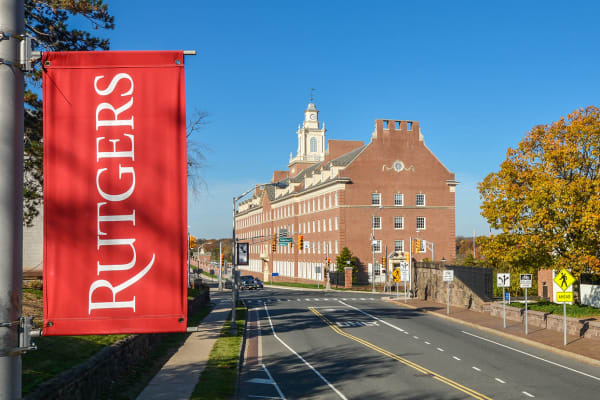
{"x": 210, "y": 275}
{"x": 575, "y": 310}
{"x": 219, "y": 377}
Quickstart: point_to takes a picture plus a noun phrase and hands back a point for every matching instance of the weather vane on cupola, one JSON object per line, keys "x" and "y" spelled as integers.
{"x": 311, "y": 94}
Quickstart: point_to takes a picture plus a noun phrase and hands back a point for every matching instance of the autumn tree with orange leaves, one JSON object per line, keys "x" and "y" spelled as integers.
{"x": 545, "y": 200}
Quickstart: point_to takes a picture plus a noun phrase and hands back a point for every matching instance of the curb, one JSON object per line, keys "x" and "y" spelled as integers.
{"x": 506, "y": 335}
{"x": 242, "y": 355}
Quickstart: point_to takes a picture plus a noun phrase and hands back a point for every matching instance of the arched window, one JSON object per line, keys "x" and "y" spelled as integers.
{"x": 313, "y": 145}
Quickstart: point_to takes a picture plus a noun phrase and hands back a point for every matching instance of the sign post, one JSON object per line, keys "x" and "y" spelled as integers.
{"x": 503, "y": 281}
{"x": 525, "y": 284}
{"x": 448, "y": 276}
{"x": 564, "y": 279}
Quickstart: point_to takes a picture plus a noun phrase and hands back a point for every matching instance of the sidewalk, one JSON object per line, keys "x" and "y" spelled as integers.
{"x": 179, "y": 376}
{"x": 586, "y": 350}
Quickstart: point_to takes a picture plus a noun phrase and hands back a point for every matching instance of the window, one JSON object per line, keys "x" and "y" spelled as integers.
{"x": 377, "y": 269}
{"x": 336, "y": 223}
{"x": 336, "y": 247}
{"x": 377, "y": 246}
{"x": 313, "y": 145}
{"x": 376, "y": 222}
{"x": 398, "y": 222}
{"x": 319, "y": 203}
{"x": 420, "y": 199}
{"x": 319, "y": 226}
{"x": 423, "y": 249}
{"x": 329, "y": 224}
{"x": 420, "y": 222}
{"x": 399, "y": 246}
{"x": 375, "y": 199}
{"x": 336, "y": 199}
{"x": 398, "y": 199}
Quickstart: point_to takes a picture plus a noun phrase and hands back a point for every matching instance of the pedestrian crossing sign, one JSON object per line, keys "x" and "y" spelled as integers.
{"x": 564, "y": 279}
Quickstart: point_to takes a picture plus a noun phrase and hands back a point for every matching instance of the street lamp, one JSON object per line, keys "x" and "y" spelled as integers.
{"x": 373, "y": 244}
{"x": 234, "y": 286}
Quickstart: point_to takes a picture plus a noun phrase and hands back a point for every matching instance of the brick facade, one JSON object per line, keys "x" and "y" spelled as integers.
{"x": 329, "y": 202}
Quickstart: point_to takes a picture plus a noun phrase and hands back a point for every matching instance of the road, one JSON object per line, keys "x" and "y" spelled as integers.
{"x": 341, "y": 345}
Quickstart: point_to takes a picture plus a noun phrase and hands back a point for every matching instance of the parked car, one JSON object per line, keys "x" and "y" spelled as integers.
{"x": 258, "y": 283}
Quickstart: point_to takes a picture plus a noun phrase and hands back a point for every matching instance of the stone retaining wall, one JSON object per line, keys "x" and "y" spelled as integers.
{"x": 90, "y": 378}
{"x": 588, "y": 328}
{"x": 472, "y": 286}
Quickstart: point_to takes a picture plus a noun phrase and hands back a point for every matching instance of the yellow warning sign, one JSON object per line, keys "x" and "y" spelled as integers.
{"x": 564, "y": 279}
{"x": 397, "y": 275}
{"x": 564, "y": 297}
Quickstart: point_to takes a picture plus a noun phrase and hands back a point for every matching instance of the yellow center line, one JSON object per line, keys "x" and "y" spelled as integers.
{"x": 404, "y": 361}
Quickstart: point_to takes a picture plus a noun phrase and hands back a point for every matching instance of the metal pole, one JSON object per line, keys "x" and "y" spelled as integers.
{"x": 233, "y": 271}
{"x": 564, "y": 324}
{"x": 220, "y": 266}
{"x": 525, "y": 311}
{"x": 410, "y": 264}
{"x": 405, "y": 296}
{"x": 188, "y": 259}
{"x": 11, "y": 197}
{"x": 504, "y": 305}
{"x": 448, "y": 297}
{"x": 432, "y": 253}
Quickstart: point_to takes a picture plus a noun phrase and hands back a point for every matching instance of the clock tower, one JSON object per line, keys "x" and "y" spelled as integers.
{"x": 311, "y": 139}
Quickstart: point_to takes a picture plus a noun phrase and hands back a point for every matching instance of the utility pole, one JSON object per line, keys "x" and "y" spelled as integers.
{"x": 12, "y": 23}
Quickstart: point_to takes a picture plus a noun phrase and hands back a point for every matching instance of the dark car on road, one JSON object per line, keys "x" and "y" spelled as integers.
{"x": 247, "y": 282}
{"x": 258, "y": 283}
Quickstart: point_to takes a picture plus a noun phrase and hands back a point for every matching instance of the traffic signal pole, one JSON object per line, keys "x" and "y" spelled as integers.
{"x": 11, "y": 196}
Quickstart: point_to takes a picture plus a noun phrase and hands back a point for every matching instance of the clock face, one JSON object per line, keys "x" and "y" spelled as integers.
{"x": 313, "y": 116}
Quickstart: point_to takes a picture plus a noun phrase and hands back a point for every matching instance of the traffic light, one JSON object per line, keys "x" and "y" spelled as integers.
{"x": 407, "y": 257}
{"x": 274, "y": 244}
{"x": 328, "y": 262}
{"x": 383, "y": 262}
{"x": 300, "y": 242}
{"x": 222, "y": 259}
{"x": 192, "y": 242}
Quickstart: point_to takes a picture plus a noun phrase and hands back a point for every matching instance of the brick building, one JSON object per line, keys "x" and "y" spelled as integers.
{"x": 393, "y": 188}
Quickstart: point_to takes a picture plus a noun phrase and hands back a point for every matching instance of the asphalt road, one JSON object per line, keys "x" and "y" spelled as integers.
{"x": 341, "y": 345}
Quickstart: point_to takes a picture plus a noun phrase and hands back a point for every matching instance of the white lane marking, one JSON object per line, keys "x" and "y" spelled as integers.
{"x": 440, "y": 349}
{"x": 362, "y": 298}
{"x": 344, "y": 299}
{"x": 528, "y": 394}
{"x": 406, "y": 333}
{"x": 374, "y": 317}
{"x": 456, "y": 358}
{"x": 476, "y": 369}
{"x": 499, "y": 380}
{"x": 273, "y": 380}
{"x": 416, "y": 337}
{"x": 261, "y": 381}
{"x": 531, "y": 355}
{"x": 316, "y": 299}
{"x": 307, "y": 299}
{"x": 427, "y": 343}
{"x": 340, "y": 394}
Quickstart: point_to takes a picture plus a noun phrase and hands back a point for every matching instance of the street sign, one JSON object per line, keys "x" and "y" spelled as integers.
{"x": 275, "y": 274}
{"x": 404, "y": 266}
{"x": 448, "y": 275}
{"x": 564, "y": 279}
{"x": 318, "y": 270}
{"x": 564, "y": 297}
{"x": 283, "y": 233}
{"x": 503, "y": 280}
{"x": 285, "y": 241}
{"x": 526, "y": 281}
{"x": 404, "y": 275}
{"x": 397, "y": 275}
{"x": 507, "y": 297}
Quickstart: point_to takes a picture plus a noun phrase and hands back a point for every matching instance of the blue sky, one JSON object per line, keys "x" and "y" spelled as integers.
{"x": 476, "y": 74}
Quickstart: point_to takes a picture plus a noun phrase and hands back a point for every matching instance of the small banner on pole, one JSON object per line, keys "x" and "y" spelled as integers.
{"x": 115, "y": 193}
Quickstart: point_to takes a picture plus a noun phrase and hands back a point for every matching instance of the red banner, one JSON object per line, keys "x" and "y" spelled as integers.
{"x": 115, "y": 193}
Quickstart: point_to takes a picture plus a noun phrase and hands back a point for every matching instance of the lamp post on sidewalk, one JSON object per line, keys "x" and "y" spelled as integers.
{"x": 234, "y": 278}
